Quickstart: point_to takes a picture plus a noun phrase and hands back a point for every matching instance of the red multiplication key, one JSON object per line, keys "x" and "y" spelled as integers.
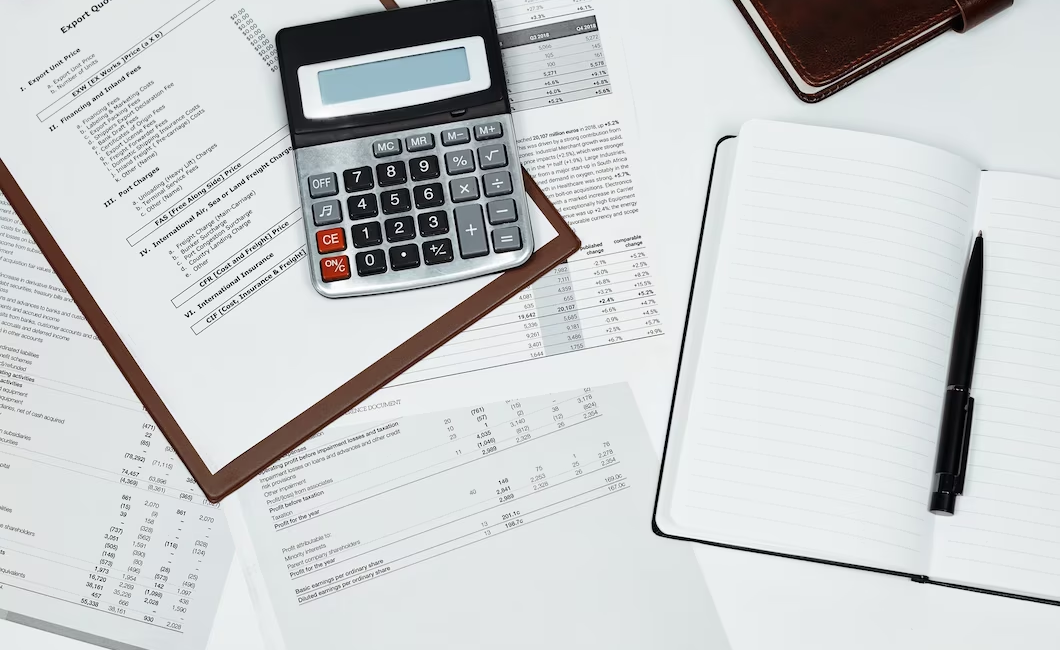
{"x": 335, "y": 268}
{"x": 331, "y": 241}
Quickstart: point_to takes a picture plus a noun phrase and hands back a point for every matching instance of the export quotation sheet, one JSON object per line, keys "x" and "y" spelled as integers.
{"x": 163, "y": 125}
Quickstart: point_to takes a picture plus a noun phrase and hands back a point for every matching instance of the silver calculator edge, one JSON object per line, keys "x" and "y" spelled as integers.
{"x": 340, "y": 156}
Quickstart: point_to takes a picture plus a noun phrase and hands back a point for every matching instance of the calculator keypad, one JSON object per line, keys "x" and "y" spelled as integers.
{"x": 420, "y": 209}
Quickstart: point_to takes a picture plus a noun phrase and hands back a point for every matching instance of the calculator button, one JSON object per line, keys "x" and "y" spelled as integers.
{"x": 321, "y": 185}
{"x": 404, "y": 257}
{"x": 506, "y": 240}
{"x": 460, "y": 162}
{"x": 493, "y": 156}
{"x": 456, "y": 136}
{"x": 471, "y": 231}
{"x": 395, "y": 201}
{"x": 488, "y": 131}
{"x": 362, "y": 206}
{"x": 502, "y": 211}
{"x": 424, "y": 169}
{"x": 419, "y": 142}
{"x": 383, "y": 148}
{"x": 358, "y": 180}
{"x": 335, "y": 268}
{"x": 331, "y": 241}
{"x": 400, "y": 229}
{"x": 433, "y": 223}
{"x": 438, "y": 251}
{"x": 366, "y": 234}
{"x": 371, "y": 263}
{"x": 327, "y": 213}
{"x": 463, "y": 189}
{"x": 391, "y": 173}
{"x": 428, "y": 196}
{"x": 497, "y": 184}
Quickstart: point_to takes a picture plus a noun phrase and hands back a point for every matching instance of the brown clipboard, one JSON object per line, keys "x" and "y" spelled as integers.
{"x": 262, "y": 455}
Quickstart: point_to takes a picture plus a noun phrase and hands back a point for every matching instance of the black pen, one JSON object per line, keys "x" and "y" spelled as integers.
{"x": 951, "y": 461}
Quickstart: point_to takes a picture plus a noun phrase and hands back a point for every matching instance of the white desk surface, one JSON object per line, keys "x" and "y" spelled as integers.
{"x": 698, "y": 73}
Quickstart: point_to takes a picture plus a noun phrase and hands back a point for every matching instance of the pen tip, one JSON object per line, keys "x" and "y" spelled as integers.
{"x": 980, "y": 233}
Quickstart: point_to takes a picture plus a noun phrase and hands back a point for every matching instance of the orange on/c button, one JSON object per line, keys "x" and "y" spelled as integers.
{"x": 331, "y": 241}
{"x": 335, "y": 268}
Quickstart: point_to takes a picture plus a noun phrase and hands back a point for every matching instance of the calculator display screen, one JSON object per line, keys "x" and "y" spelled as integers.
{"x": 394, "y": 76}
{"x": 398, "y": 78}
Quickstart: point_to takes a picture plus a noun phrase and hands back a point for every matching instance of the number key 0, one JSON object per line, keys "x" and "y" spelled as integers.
{"x": 371, "y": 263}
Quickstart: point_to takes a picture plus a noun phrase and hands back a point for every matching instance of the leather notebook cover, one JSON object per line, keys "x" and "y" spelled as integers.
{"x": 232, "y": 476}
{"x": 823, "y": 46}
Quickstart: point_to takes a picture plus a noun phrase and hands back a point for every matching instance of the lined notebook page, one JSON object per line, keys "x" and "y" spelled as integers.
{"x": 1006, "y": 533}
{"x": 817, "y": 395}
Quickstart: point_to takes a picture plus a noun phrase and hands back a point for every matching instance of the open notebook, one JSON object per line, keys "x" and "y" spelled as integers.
{"x": 809, "y": 396}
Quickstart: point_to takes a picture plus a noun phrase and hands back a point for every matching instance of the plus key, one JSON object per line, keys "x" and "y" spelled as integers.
{"x": 471, "y": 231}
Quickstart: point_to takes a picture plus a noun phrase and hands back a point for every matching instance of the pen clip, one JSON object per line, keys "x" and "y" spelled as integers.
{"x": 966, "y": 443}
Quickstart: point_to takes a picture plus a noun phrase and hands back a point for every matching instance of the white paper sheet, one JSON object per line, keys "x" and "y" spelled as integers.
{"x": 173, "y": 166}
{"x": 514, "y": 524}
{"x": 103, "y": 535}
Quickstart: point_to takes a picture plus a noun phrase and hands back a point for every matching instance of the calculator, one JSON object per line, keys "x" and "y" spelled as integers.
{"x": 404, "y": 148}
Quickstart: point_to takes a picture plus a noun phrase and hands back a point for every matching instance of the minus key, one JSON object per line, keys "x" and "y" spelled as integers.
{"x": 501, "y": 212}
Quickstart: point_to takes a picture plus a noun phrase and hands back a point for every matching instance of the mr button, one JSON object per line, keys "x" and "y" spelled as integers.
{"x": 331, "y": 241}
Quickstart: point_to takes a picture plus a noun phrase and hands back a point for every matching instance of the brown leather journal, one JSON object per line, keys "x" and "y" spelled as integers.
{"x": 823, "y": 46}
{"x": 216, "y": 486}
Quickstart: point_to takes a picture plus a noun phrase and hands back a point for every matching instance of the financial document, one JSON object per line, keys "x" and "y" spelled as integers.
{"x": 518, "y": 524}
{"x": 182, "y": 217}
{"x": 104, "y": 537}
{"x": 599, "y": 317}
